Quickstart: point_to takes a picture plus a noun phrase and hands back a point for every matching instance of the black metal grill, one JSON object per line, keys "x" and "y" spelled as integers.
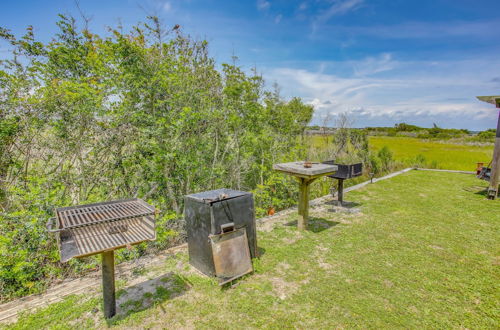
{"x": 485, "y": 173}
{"x": 90, "y": 229}
{"x": 345, "y": 171}
{"x": 221, "y": 232}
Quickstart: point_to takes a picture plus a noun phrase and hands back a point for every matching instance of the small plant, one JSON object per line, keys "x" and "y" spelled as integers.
{"x": 386, "y": 160}
{"x": 420, "y": 161}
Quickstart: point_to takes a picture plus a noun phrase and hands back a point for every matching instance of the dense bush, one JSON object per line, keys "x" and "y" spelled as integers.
{"x": 403, "y": 129}
{"x": 385, "y": 156}
{"x": 488, "y": 135}
{"x": 86, "y": 118}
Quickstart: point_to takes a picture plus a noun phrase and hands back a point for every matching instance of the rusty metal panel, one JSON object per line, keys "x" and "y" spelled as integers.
{"x": 231, "y": 255}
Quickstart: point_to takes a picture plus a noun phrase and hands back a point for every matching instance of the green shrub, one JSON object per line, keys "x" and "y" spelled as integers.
{"x": 385, "y": 156}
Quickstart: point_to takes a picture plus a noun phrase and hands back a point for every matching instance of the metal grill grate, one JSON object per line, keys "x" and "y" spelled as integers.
{"x": 85, "y": 215}
{"x": 90, "y": 229}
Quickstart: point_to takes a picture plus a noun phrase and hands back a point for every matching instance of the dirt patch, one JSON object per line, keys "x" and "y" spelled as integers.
{"x": 324, "y": 265}
{"x": 282, "y": 288}
{"x": 388, "y": 284}
{"x": 282, "y": 267}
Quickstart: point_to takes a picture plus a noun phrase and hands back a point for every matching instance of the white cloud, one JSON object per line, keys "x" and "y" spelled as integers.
{"x": 263, "y": 4}
{"x": 167, "y": 6}
{"x": 414, "y": 92}
{"x": 303, "y": 6}
{"x": 278, "y": 18}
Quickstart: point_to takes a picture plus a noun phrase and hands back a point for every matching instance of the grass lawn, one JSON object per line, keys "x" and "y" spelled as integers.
{"x": 420, "y": 250}
{"x": 450, "y": 156}
{"x": 445, "y": 155}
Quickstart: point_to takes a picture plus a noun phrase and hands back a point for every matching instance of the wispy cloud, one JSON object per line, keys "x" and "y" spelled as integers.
{"x": 339, "y": 7}
{"x": 263, "y": 4}
{"x": 278, "y": 18}
{"x": 373, "y": 65}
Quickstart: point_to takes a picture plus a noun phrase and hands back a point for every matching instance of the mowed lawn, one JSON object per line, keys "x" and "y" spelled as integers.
{"x": 448, "y": 156}
{"x": 420, "y": 250}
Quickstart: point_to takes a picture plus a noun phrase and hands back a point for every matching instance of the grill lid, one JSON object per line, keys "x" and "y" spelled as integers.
{"x": 217, "y": 195}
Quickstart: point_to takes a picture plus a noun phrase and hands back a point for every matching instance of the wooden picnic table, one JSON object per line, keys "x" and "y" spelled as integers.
{"x": 305, "y": 176}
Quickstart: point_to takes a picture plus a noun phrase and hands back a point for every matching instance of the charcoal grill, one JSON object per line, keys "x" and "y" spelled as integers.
{"x": 85, "y": 230}
{"x": 484, "y": 173}
{"x": 221, "y": 232}
{"x": 344, "y": 172}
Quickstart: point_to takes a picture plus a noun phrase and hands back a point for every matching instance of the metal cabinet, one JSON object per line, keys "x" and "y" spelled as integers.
{"x": 211, "y": 214}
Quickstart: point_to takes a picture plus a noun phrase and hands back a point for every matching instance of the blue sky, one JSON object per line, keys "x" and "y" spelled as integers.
{"x": 383, "y": 61}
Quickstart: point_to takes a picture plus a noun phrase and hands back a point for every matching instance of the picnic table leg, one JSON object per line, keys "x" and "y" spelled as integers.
{"x": 303, "y": 204}
{"x": 299, "y": 206}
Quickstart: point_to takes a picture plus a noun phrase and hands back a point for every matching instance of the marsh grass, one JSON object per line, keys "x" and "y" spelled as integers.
{"x": 450, "y": 156}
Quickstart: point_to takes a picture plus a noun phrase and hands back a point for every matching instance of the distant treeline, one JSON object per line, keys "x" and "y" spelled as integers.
{"x": 404, "y": 129}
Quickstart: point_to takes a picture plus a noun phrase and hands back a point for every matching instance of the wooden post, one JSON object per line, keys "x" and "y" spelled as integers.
{"x": 108, "y": 283}
{"x": 303, "y": 205}
{"x": 495, "y": 165}
{"x": 300, "y": 206}
{"x": 340, "y": 195}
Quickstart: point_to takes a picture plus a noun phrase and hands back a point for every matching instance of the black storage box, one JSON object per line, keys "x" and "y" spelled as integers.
{"x": 207, "y": 213}
{"x": 345, "y": 171}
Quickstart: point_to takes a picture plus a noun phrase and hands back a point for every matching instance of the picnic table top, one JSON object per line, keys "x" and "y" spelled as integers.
{"x": 298, "y": 169}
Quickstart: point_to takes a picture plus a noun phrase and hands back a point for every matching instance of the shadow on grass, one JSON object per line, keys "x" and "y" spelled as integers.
{"x": 345, "y": 204}
{"x": 315, "y": 224}
{"x": 260, "y": 251}
{"x": 143, "y": 295}
{"x": 477, "y": 190}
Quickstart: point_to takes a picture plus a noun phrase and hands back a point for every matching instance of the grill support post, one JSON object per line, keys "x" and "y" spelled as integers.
{"x": 108, "y": 283}
{"x": 340, "y": 194}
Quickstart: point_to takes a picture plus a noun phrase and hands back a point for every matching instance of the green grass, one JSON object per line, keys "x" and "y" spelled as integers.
{"x": 422, "y": 253}
{"x": 450, "y": 156}
{"x": 446, "y": 155}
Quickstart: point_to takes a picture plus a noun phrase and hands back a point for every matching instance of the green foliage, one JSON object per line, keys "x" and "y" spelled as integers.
{"x": 277, "y": 191}
{"x": 385, "y": 156}
{"x": 404, "y": 129}
{"x": 86, "y": 118}
{"x": 488, "y": 135}
{"x": 375, "y": 164}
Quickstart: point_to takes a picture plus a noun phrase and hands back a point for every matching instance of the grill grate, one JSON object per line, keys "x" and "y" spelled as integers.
{"x": 85, "y": 215}
{"x": 99, "y": 237}
{"x": 90, "y": 229}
